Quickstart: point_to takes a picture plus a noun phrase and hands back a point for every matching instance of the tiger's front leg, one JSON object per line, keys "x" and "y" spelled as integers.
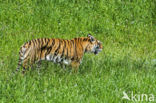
{"x": 75, "y": 66}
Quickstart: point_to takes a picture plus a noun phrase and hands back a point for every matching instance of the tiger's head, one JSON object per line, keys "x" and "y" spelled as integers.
{"x": 94, "y": 45}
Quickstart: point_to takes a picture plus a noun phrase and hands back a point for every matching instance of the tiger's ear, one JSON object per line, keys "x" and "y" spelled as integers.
{"x": 91, "y": 37}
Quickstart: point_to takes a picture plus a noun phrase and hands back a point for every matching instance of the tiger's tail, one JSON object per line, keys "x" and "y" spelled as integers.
{"x": 23, "y": 55}
{"x": 19, "y": 64}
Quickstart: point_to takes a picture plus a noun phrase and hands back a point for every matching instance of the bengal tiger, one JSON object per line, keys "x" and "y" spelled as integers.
{"x": 65, "y": 52}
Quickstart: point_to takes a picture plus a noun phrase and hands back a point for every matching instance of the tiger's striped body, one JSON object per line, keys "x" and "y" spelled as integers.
{"x": 65, "y": 52}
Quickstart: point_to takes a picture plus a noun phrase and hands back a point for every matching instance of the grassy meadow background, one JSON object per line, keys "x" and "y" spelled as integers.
{"x": 127, "y": 29}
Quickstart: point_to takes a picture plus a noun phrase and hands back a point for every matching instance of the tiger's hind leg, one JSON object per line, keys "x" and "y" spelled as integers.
{"x": 75, "y": 66}
{"x": 22, "y": 63}
{"x": 38, "y": 66}
{"x": 25, "y": 66}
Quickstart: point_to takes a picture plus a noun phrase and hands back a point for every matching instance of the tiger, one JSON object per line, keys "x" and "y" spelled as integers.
{"x": 64, "y": 52}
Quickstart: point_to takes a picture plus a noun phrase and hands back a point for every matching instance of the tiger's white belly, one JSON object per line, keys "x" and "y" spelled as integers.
{"x": 58, "y": 59}
{"x": 66, "y": 61}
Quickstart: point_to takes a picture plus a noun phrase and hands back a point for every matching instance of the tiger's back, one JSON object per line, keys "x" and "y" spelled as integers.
{"x": 65, "y": 52}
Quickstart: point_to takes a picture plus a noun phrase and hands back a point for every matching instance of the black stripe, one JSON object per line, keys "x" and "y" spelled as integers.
{"x": 45, "y": 55}
{"x": 81, "y": 45}
{"x": 53, "y": 43}
{"x": 44, "y": 39}
{"x": 49, "y": 47}
{"x": 45, "y": 46}
{"x": 33, "y": 42}
{"x": 75, "y": 49}
{"x": 25, "y": 57}
{"x": 29, "y": 42}
{"x": 42, "y": 45}
{"x": 48, "y": 41}
{"x": 38, "y": 42}
{"x": 67, "y": 51}
{"x": 42, "y": 42}
{"x": 49, "y": 50}
{"x": 24, "y": 44}
{"x": 63, "y": 48}
{"x": 70, "y": 47}
{"x": 85, "y": 39}
{"x": 56, "y": 51}
{"x": 40, "y": 54}
{"x": 86, "y": 47}
{"x": 73, "y": 43}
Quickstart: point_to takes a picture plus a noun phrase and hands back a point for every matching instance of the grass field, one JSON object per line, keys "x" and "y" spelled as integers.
{"x": 127, "y": 62}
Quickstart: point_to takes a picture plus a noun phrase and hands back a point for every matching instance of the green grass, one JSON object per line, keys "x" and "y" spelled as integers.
{"x": 127, "y": 30}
